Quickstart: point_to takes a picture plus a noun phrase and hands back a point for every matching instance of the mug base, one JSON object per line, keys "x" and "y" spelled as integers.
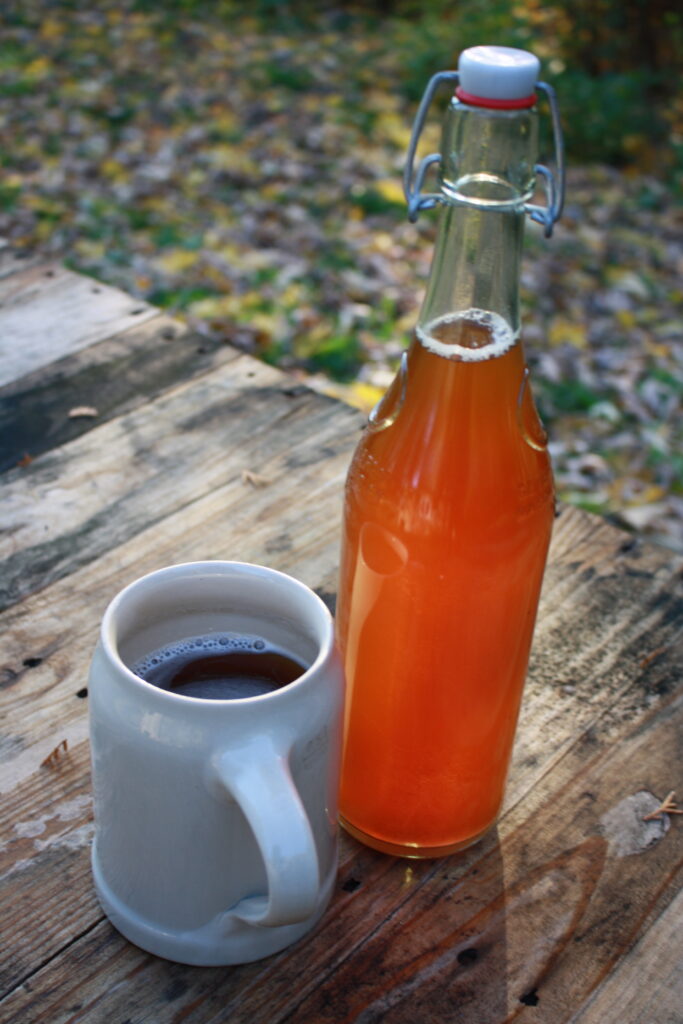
{"x": 219, "y": 943}
{"x": 412, "y": 851}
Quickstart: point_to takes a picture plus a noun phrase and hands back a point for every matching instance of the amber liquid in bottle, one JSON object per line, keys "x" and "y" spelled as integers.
{"x": 448, "y": 515}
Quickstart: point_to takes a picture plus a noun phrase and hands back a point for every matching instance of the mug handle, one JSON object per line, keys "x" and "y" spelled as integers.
{"x": 257, "y": 775}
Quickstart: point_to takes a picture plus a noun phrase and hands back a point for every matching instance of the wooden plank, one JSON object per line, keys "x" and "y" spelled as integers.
{"x": 611, "y": 607}
{"x": 70, "y": 505}
{"x": 647, "y": 985}
{"x": 566, "y": 690}
{"x": 266, "y": 523}
{"x": 145, "y": 519}
{"x": 531, "y": 928}
{"x": 524, "y": 927}
{"x": 47, "y": 826}
{"x": 42, "y": 706}
{"x": 12, "y": 261}
{"x": 48, "y": 311}
{"x": 44, "y": 669}
{"x": 111, "y": 377}
{"x": 600, "y": 723}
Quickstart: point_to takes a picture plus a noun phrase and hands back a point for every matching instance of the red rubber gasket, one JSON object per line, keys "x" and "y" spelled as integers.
{"x": 484, "y": 101}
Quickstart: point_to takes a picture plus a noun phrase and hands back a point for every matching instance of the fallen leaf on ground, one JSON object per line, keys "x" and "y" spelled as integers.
{"x": 255, "y": 479}
{"x": 82, "y": 412}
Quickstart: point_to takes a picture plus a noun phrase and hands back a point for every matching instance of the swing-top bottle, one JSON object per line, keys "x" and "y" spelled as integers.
{"x": 449, "y": 499}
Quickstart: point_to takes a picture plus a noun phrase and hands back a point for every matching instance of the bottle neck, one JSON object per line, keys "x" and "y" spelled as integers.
{"x": 476, "y": 266}
{"x": 488, "y": 161}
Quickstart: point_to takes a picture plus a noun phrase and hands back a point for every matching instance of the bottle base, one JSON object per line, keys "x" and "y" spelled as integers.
{"x": 412, "y": 851}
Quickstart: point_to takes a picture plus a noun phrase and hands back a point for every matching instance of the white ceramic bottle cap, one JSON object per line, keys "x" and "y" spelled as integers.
{"x": 501, "y": 74}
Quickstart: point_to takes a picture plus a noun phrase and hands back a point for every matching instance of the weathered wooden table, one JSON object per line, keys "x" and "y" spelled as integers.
{"x": 128, "y": 444}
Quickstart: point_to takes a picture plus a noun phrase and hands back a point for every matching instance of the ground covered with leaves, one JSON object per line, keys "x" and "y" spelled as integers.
{"x": 245, "y": 175}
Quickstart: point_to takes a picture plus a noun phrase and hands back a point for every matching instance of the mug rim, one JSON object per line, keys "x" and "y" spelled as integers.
{"x": 216, "y": 567}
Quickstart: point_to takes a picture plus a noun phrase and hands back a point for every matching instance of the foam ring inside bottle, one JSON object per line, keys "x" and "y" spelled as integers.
{"x": 503, "y": 337}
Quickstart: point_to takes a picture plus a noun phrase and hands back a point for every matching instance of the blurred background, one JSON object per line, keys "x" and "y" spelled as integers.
{"x": 240, "y": 165}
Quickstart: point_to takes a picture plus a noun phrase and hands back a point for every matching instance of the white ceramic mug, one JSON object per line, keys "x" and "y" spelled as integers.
{"x": 215, "y": 820}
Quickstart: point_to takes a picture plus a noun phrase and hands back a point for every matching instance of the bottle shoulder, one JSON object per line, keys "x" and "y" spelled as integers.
{"x": 449, "y": 433}
{"x": 437, "y": 401}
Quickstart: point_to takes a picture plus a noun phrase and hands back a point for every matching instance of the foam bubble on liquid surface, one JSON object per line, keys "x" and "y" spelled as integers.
{"x": 490, "y": 335}
{"x": 192, "y": 647}
{"x": 219, "y": 666}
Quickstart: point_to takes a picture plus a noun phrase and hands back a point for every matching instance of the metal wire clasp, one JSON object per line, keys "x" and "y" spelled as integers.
{"x": 553, "y": 185}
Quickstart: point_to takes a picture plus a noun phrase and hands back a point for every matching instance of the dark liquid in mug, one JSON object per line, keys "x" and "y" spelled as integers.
{"x": 219, "y": 667}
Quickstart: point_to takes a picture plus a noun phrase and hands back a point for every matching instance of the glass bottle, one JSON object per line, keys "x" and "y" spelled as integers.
{"x": 449, "y": 504}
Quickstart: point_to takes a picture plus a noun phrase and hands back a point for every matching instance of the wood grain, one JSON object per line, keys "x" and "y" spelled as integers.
{"x": 648, "y": 986}
{"x": 390, "y": 907}
{"x": 194, "y": 441}
{"x": 111, "y": 377}
{"x": 47, "y": 830}
{"x": 48, "y": 311}
{"x": 526, "y": 926}
{"x": 160, "y": 485}
{"x": 13, "y": 261}
{"x": 547, "y": 920}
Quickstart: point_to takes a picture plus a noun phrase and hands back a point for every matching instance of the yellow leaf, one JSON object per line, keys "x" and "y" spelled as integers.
{"x": 567, "y": 332}
{"x": 649, "y": 494}
{"x": 628, "y": 281}
{"x": 625, "y": 318}
{"x": 43, "y": 230}
{"x": 232, "y": 159}
{"x": 249, "y": 300}
{"x": 383, "y": 100}
{"x": 89, "y": 251}
{"x": 230, "y": 253}
{"x": 195, "y": 178}
{"x": 292, "y": 297}
{"x": 405, "y": 324}
{"x": 226, "y": 121}
{"x": 223, "y": 307}
{"x": 657, "y": 349}
{"x": 364, "y": 396}
{"x": 390, "y": 189}
{"x": 113, "y": 170}
{"x": 38, "y": 68}
{"x": 632, "y": 494}
{"x": 394, "y": 128}
{"x": 258, "y": 259}
{"x": 51, "y": 29}
{"x": 175, "y": 261}
{"x": 359, "y": 394}
{"x": 267, "y": 323}
{"x": 382, "y": 241}
{"x": 272, "y": 190}
{"x": 216, "y": 276}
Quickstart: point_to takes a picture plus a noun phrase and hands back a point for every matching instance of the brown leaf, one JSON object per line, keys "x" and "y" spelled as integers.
{"x": 82, "y": 412}
{"x": 53, "y": 758}
{"x": 248, "y": 477}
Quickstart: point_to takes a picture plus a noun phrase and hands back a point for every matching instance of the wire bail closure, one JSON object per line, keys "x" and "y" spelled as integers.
{"x": 413, "y": 181}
